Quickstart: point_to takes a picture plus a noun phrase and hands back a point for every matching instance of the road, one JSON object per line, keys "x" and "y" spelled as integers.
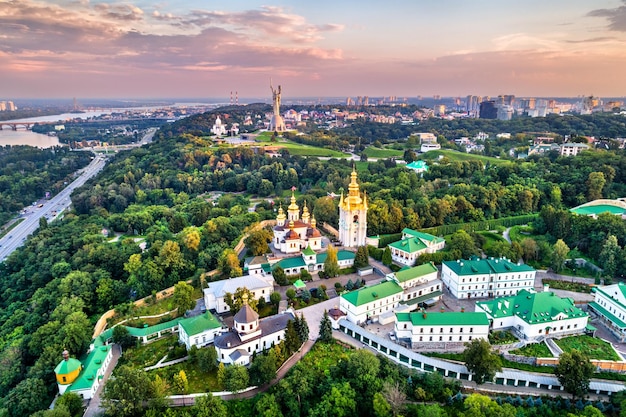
{"x": 50, "y": 209}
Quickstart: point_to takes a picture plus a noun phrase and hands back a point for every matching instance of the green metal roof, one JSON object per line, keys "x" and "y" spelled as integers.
{"x": 444, "y": 319}
{"x": 533, "y": 308}
{"x": 404, "y": 275}
{"x": 409, "y": 245}
{"x": 370, "y": 294}
{"x": 91, "y": 364}
{"x": 342, "y": 255}
{"x": 299, "y": 284}
{"x": 67, "y": 366}
{"x": 486, "y": 266}
{"x": 308, "y": 251}
{"x": 598, "y": 209}
{"x": 198, "y": 324}
{"x": 293, "y": 262}
{"x": 421, "y": 235}
{"x": 418, "y": 165}
{"x": 617, "y": 321}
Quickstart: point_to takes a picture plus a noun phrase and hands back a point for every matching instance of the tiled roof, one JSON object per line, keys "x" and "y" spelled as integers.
{"x": 486, "y": 266}
{"x": 418, "y": 271}
{"x": 375, "y": 292}
{"x": 199, "y": 324}
{"x": 444, "y": 319}
{"x": 533, "y": 308}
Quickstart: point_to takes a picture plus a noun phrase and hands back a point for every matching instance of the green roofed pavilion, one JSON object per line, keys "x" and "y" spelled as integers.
{"x": 299, "y": 284}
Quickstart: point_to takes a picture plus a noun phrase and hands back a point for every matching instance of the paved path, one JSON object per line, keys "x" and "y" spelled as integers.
{"x": 163, "y": 364}
{"x": 94, "y": 409}
{"x": 506, "y": 236}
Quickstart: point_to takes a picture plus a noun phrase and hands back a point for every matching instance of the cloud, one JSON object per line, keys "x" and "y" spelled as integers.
{"x": 616, "y": 17}
{"x": 122, "y": 12}
{"x": 593, "y": 40}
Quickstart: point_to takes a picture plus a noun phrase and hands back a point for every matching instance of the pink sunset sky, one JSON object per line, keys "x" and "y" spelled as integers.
{"x": 171, "y": 48}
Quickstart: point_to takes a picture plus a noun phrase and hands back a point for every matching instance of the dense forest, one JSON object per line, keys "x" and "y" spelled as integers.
{"x": 53, "y": 289}
{"x": 26, "y": 173}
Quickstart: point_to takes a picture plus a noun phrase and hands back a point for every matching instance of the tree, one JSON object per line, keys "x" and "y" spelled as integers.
{"x": 122, "y": 337}
{"x": 275, "y": 298}
{"x": 574, "y": 372}
{"x": 361, "y": 258}
{"x": 180, "y": 382}
{"x": 267, "y": 406}
{"x": 302, "y": 328}
{"x": 610, "y": 256}
{"x": 381, "y": 406}
{"x": 28, "y": 396}
{"x": 291, "y": 294}
{"x": 235, "y": 378}
{"x": 183, "y": 297}
{"x": 326, "y": 329}
{"x": 463, "y": 242}
{"x": 209, "y": 406}
{"x": 530, "y": 249}
{"x": 559, "y": 255}
{"x": 395, "y": 397}
{"x": 292, "y": 340}
{"x": 480, "y": 361}
{"x": 595, "y": 184}
{"x": 72, "y": 402}
{"x": 339, "y": 401}
{"x": 43, "y": 223}
{"x": 331, "y": 265}
{"x": 387, "y": 259}
{"x": 228, "y": 264}
{"x": 257, "y": 242}
{"x": 126, "y": 394}
{"x": 235, "y": 301}
{"x": 263, "y": 368}
{"x": 279, "y": 276}
{"x": 206, "y": 358}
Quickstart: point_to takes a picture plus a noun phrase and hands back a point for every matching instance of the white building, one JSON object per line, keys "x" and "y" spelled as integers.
{"x": 250, "y": 335}
{"x": 413, "y": 244}
{"x": 199, "y": 331}
{"x": 610, "y": 305}
{"x": 532, "y": 315}
{"x": 573, "y": 148}
{"x": 492, "y": 277}
{"x": 83, "y": 378}
{"x": 218, "y": 128}
{"x": 259, "y": 286}
{"x": 405, "y": 289}
{"x": 441, "y": 330}
{"x": 425, "y": 147}
{"x": 368, "y": 303}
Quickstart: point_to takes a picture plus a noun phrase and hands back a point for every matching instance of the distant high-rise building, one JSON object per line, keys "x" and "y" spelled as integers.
{"x": 488, "y": 110}
{"x": 366, "y": 101}
{"x": 3, "y": 105}
{"x": 472, "y": 103}
{"x": 359, "y": 101}
{"x": 349, "y": 101}
{"x": 440, "y": 109}
{"x": 437, "y": 97}
{"x": 10, "y": 106}
{"x": 505, "y": 112}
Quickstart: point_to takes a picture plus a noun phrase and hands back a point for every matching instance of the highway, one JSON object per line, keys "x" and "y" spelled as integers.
{"x": 50, "y": 209}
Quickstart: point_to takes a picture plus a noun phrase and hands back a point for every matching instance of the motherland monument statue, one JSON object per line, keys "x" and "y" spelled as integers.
{"x": 276, "y": 122}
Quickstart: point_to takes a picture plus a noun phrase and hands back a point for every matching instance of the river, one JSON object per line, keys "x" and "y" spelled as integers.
{"x": 27, "y": 137}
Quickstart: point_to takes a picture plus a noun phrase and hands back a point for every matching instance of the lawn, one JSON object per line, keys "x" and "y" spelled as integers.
{"x": 535, "y": 350}
{"x": 373, "y": 152}
{"x": 592, "y": 347}
{"x": 198, "y": 381}
{"x": 462, "y": 156}
{"x": 519, "y": 233}
{"x": 149, "y": 354}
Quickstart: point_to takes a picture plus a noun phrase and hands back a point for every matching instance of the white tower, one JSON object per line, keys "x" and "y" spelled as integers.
{"x": 353, "y": 215}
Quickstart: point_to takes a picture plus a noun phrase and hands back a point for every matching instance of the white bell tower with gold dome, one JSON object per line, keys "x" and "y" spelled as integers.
{"x": 353, "y": 215}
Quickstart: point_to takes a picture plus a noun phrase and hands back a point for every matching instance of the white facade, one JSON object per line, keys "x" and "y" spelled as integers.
{"x": 260, "y": 286}
{"x": 573, "y": 148}
{"x": 353, "y": 216}
{"x": 532, "y": 315}
{"x": 199, "y": 331}
{"x": 370, "y": 302}
{"x": 439, "y": 330}
{"x": 493, "y": 277}
{"x": 412, "y": 245}
{"x": 218, "y": 128}
{"x": 610, "y": 305}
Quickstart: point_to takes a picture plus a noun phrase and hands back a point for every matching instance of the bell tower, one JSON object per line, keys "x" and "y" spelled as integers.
{"x": 353, "y": 215}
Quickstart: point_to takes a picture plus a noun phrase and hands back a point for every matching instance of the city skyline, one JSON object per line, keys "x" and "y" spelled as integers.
{"x": 207, "y": 49}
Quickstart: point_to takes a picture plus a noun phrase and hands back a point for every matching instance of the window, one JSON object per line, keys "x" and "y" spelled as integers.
{"x": 450, "y": 329}
{"x": 441, "y": 338}
{"x": 422, "y": 330}
{"x": 421, "y": 338}
{"x": 431, "y": 330}
{"x": 430, "y": 338}
{"x": 450, "y": 339}
{"x": 471, "y": 330}
{"x": 63, "y": 379}
{"x": 441, "y": 330}
{"x": 405, "y": 325}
